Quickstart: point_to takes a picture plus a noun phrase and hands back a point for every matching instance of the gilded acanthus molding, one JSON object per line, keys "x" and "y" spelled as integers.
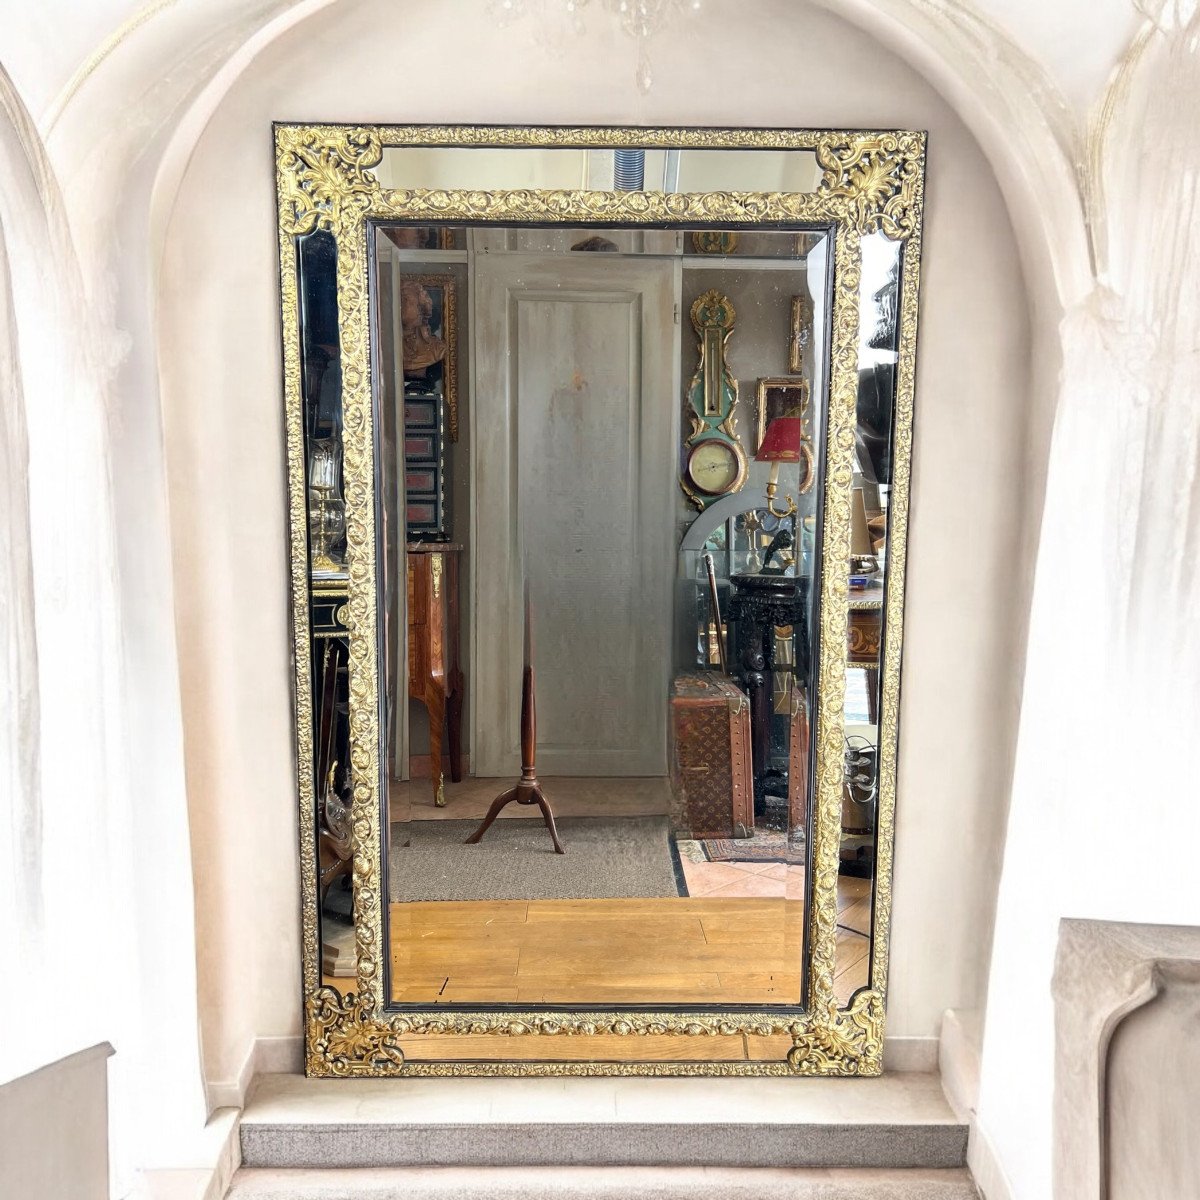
{"x": 893, "y": 622}
{"x": 834, "y": 613}
{"x": 324, "y": 173}
{"x": 872, "y": 181}
{"x": 297, "y": 472}
{"x": 871, "y": 185}
{"x": 344, "y": 1037}
{"x": 588, "y": 1024}
{"x": 845, "y": 1042}
{"x": 879, "y": 179}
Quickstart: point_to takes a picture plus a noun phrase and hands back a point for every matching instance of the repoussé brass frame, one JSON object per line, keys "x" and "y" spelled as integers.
{"x": 871, "y": 182}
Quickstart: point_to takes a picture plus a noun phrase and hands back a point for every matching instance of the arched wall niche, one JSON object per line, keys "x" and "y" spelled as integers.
{"x": 219, "y": 371}
{"x": 143, "y": 103}
{"x": 1026, "y": 127}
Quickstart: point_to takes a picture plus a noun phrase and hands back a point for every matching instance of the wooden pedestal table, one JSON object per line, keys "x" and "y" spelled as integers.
{"x": 434, "y": 675}
{"x": 528, "y": 790}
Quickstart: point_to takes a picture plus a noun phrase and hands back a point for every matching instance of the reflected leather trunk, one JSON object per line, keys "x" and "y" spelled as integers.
{"x": 711, "y": 783}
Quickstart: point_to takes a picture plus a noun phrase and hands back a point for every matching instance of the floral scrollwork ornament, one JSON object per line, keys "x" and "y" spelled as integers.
{"x": 879, "y": 178}
{"x": 324, "y": 172}
{"x": 346, "y": 1038}
{"x": 844, "y": 1041}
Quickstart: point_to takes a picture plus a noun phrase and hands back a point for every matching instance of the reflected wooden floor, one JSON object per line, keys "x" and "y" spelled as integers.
{"x": 685, "y": 951}
{"x": 696, "y": 950}
{"x": 853, "y": 961}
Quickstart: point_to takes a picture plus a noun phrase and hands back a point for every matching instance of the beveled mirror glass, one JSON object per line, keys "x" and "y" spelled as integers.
{"x": 598, "y": 456}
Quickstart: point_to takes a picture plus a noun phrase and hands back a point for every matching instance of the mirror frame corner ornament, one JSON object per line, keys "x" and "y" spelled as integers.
{"x": 871, "y": 182}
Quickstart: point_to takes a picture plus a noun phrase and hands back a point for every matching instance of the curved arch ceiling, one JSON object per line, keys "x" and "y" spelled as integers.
{"x": 180, "y": 58}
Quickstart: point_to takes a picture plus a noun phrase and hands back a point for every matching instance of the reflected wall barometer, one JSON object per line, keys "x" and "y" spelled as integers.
{"x": 716, "y": 463}
{"x": 714, "y": 467}
{"x": 716, "y": 735}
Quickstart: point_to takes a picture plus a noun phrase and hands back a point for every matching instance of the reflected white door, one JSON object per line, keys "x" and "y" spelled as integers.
{"x": 575, "y": 421}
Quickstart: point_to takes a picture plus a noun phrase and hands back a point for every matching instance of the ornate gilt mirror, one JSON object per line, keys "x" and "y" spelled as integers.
{"x": 598, "y": 460}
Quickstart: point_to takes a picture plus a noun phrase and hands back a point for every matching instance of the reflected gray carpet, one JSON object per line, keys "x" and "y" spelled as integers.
{"x": 606, "y": 858}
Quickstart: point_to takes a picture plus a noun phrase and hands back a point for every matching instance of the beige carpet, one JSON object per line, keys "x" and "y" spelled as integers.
{"x": 607, "y": 858}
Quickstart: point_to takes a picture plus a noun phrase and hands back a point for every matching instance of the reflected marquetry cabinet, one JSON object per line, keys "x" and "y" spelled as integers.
{"x": 434, "y": 675}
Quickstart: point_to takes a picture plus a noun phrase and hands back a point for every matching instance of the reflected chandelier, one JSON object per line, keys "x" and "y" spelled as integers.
{"x": 639, "y": 19}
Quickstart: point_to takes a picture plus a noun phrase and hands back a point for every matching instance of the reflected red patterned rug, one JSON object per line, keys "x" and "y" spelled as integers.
{"x": 766, "y": 845}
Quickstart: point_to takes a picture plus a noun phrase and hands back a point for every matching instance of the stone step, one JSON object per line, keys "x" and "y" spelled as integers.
{"x": 895, "y": 1122}
{"x": 603, "y": 1183}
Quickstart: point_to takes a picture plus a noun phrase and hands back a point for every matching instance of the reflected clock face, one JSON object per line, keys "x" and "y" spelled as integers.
{"x": 713, "y": 467}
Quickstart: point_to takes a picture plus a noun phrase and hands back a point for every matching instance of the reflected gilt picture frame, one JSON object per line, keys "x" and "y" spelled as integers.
{"x": 800, "y": 332}
{"x": 871, "y": 184}
{"x": 417, "y": 237}
{"x": 779, "y": 396}
{"x": 785, "y": 396}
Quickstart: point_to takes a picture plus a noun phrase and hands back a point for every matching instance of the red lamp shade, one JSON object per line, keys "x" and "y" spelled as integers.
{"x": 781, "y": 442}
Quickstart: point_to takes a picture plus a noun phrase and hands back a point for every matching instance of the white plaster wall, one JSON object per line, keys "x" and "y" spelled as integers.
{"x": 1102, "y": 824}
{"x": 1076, "y": 41}
{"x": 98, "y": 898}
{"x": 975, "y": 474}
{"x": 58, "y": 622}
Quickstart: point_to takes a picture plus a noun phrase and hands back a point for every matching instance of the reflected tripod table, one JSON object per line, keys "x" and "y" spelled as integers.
{"x": 527, "y": 790}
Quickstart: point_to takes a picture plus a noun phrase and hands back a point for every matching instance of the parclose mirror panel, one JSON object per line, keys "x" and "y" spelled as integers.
{"x": 668, "y": 170}
{"x": 598, "y": 563}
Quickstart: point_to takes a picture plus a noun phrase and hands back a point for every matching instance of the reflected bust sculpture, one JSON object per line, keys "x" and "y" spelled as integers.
{"x": 422, "y": 347}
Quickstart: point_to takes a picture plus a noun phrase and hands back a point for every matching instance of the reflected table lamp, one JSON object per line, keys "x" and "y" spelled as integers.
{"x": 783, "y": 442}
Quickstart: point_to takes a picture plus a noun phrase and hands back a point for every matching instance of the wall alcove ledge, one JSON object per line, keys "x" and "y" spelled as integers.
{"x": 1127, "y": 1003}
